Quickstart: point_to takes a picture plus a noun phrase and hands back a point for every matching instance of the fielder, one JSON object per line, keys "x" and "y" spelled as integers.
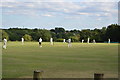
{"x": 94, "y": 41}
{"x": 82, "y": 40}
{"x": 5, "y": 43}
{"x": 51, "y": 41}
{"x": 40, "y": 42}
{"x": 22, "y": 40}
{"x": 88, "y": 41}
{"x": 63, "y": 40}
{"x": 108, "y": 40}
{"x": 69, "y": 43}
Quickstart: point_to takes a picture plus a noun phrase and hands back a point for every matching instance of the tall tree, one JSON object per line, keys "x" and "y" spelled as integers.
{"x": 113, "y": 32}
{"x": 5, "y": 35}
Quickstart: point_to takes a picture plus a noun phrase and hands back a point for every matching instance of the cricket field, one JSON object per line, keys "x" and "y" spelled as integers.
{"x": 81, "y": 60}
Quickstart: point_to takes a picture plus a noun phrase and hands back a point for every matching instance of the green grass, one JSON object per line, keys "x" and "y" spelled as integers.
{"x": 59, "y": 61}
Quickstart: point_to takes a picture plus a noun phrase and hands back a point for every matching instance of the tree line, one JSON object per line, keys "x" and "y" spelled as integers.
{"x": 58, "y": 34}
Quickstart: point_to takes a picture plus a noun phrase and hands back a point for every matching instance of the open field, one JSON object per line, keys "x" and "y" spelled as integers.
{"x": 59, "y": 61}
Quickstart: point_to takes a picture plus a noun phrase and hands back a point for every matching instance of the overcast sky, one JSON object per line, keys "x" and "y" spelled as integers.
{"x": 69, "y": 14}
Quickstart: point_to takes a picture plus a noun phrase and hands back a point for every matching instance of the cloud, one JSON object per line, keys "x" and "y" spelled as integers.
{"x": 9, "y": 0}
{"x": 82, "y": 13}
{"x": 104, "y": 0}
{"x": 33, "y": 1}
{"x": 60, "y": 1}
{"x": 47, "y": 15}
{"x": 68, "y": 9}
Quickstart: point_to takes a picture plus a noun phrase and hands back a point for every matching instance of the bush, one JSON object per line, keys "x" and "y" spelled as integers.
{"x": 74, "y": 38}
{"x": 59, "y": 40}
{"x": 27, "y": 37}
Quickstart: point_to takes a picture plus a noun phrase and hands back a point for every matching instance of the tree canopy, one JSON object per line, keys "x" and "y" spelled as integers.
{"x": 58, "y": 34}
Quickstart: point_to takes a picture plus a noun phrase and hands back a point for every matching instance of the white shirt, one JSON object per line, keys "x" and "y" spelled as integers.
{"x": 88, "y": 40}
{"x": 69, "y": 40}
{"x": 22, "y": 39}
{"x": 40, "y": 40}
{"x": 5, "y": 41}
{"x": 51, "y": 39}
{"x": 63, "y": 40}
